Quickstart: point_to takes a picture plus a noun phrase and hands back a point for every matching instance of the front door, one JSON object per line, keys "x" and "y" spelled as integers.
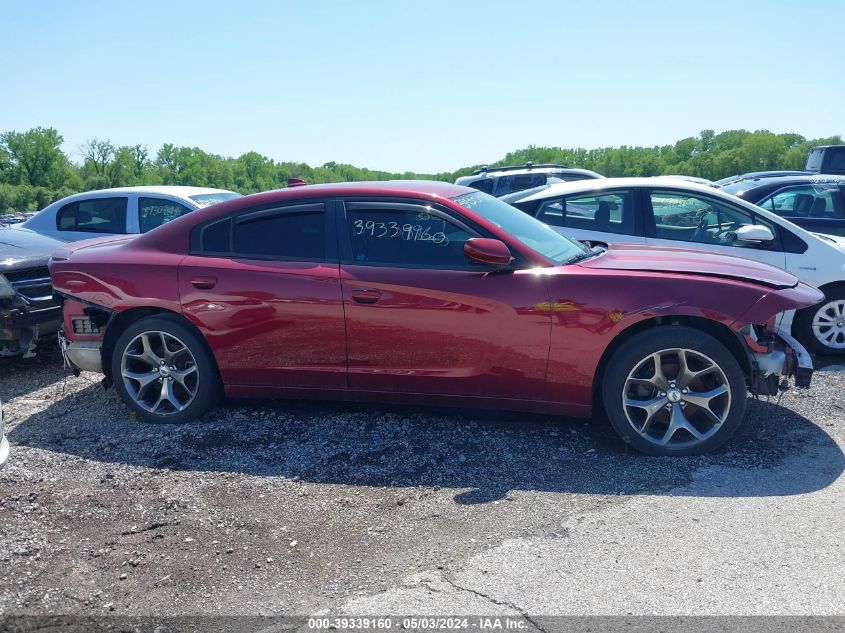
{"x": 682, "y": 219}
{"x": 420, "y": 318}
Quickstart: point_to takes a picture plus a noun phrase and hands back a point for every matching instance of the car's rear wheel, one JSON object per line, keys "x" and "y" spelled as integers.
{"x": 674, "y": 390}
{"x": 821, "y": 328}
{"x": 163, "y": 371}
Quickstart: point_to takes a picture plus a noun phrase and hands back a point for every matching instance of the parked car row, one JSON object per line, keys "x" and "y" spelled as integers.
{"x": 660, "y": 300}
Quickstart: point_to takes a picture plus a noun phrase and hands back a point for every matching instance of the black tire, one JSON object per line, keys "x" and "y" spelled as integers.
{"x": 204, "y": 381}
{"x": 698, "y": 350}
{"x": 802, "y": 327}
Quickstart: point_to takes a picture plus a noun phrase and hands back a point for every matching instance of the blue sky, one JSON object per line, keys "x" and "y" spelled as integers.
{"x": 423, "y": 86}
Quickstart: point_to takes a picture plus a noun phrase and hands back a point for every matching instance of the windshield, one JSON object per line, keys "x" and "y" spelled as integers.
{"x": 207, "y": 199}
{"x": 534, "y": 234}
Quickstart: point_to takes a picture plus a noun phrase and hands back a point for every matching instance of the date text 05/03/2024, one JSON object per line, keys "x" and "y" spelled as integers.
{"x": 481, "y": 623}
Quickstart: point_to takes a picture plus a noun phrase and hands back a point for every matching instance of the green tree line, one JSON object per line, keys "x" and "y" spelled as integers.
{"x": 34, "y": 170}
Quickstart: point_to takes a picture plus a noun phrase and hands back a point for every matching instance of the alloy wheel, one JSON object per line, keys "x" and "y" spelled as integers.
{"x": 160, "y": 373}
{"x": 676, "y": 398}
{"x": 829, "y": 324}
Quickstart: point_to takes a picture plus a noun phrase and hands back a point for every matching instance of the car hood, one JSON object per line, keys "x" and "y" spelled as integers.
{"x": 22, "y": 248}
{"x": 690, "y": 262}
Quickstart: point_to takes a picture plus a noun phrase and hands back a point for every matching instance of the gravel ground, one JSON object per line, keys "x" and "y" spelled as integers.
{"x": 281, "y": 507}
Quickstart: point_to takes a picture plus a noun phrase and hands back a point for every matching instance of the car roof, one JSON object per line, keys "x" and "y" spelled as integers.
{"x": 747, "y": 184}
{"x": 178, "y": 191}
{"x": 370, "y": 187}
{"x": 601, "y": 184}
{"x": 494, "y": 172}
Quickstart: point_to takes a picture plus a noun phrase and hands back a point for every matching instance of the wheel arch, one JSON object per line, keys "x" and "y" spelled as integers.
{"x": 124, "y": 319}
{"x": 719, "y": 331}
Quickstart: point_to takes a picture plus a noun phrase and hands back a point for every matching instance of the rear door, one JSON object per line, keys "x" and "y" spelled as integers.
{"x": 422, "y": 319}
{"x": 606, "y": 217}
{"x": 264, "y": 288}
{"x": 154, "y": 211}
{"x": 682, "y": 219}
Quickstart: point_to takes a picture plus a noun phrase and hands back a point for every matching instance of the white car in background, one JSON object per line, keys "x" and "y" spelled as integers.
{"x": 124, "y": 210}
{"x": 671, "y": 212}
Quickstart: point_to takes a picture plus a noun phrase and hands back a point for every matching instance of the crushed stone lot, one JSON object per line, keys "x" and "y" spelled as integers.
{"x": 283, "y": 507}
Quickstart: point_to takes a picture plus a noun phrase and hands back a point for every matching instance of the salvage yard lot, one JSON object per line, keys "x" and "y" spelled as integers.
{"x": 282, "y": 507}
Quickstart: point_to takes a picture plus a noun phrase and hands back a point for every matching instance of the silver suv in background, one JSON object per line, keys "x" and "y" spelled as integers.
{"x": 499, "y": 181}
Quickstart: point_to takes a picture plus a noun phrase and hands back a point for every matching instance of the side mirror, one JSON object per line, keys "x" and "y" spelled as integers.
{"x": 483, "y": 250}
{"x": 752, "y": 235}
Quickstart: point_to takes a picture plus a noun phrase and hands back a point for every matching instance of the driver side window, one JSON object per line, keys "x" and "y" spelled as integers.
{"x": 699, "y": 219}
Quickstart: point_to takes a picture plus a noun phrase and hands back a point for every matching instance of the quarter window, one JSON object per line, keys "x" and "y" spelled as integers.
{"x": 687, "y": 218}
{"x": 607, "y": 213}
{"x": 804, "y": 202}
{"x": 153, "y": 212}
{"x": 406, "y": 238}
{"x": 98, "y": 215}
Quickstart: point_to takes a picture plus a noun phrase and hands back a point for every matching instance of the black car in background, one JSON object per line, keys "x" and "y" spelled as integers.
{"x": 813, "y": 202}
{"x": 27, "y": 308}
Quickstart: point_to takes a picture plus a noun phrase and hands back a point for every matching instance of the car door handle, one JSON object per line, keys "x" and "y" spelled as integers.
{"x": 366, "y": 296}
{"x": 204, "y": 283}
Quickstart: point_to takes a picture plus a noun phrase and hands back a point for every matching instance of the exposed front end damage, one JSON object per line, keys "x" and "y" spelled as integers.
{"x": 775, "y": 358}
{"x": 27, "y": 311}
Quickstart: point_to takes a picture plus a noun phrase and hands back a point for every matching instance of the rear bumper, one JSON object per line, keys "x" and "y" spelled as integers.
{"x": 84, "y": 356}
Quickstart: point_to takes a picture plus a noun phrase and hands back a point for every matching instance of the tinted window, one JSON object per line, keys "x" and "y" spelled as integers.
{"x": 814, "y": 160}
{"x": 281, "y": 235}
{"x": 689, "y": 218}
{"x": 804, "y": 202}
{"x": 99, "y": 215}
{"x": 216, "y": 238}
{"x": 153, "y": 212}
{"x": 606, "y": 213}
{"x": 409, "y": 238}
{"x": 837, "y": 160}
{"x": 518, "y": 182}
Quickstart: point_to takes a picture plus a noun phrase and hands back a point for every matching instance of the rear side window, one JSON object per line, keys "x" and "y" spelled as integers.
{"x": 297, "y": 232}
{"x": 805, "y": 202}
{"x": 153, "y": 212}
{"x": 298, "y": 235}
{"x": 605, "y": 213}
{"x": 98, "y": 215}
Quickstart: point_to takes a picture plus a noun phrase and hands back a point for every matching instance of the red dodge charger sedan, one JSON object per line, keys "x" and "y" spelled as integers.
{"x": 428, "y": 293}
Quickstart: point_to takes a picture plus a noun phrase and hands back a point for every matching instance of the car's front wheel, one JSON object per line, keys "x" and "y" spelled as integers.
{"x": 821, "y": 328}
{"x": 674, "y": 390}
{"x": 163, "y": 371}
